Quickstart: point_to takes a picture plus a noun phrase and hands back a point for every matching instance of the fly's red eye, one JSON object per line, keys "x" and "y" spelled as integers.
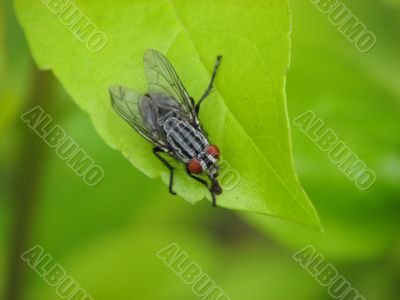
{"x": 194, "y": 166}
{"x": 214, "y": 151}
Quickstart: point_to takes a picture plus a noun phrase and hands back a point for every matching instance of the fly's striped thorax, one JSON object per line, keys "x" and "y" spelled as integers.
{"x": 185, "y": 140}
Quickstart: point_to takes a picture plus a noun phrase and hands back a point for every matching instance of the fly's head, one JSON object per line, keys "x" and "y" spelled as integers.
{"x": 207, "y": 162}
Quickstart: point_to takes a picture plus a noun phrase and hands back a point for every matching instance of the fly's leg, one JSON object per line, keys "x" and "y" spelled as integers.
{"x": 156, "y": 151}
{"x": 202, "y": 181}
{"x": 210, "y": 86}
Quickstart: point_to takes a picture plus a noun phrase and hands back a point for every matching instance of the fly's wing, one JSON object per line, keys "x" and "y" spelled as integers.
{"x": 162, "y": 79}
{"x": 127, "y": 104}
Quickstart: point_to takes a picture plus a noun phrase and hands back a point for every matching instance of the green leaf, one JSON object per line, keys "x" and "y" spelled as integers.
{"x": 246, "y": 115}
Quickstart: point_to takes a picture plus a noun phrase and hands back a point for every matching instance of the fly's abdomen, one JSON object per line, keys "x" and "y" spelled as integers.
{"x": 184, "y": 139}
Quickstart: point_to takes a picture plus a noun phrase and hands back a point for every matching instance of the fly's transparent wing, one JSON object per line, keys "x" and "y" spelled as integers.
{"x": 127, "y": 104}
{"x": 162, "y": 78}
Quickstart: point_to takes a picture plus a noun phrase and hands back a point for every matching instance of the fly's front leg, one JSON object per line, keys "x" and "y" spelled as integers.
{"x": 202, "y": 181}
{"x": 156, "y": 151}
{"x": 210, "y": 86}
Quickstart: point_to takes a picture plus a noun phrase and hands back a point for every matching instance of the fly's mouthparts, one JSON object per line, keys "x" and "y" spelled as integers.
{"x": 215, "y": 187}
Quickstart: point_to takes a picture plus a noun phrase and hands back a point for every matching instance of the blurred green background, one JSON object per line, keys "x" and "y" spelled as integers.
{"x": 106, "y": 237}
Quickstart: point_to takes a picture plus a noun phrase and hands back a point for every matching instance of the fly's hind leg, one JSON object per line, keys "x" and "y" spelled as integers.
{"x": 210, "y": 86}
{"x": 202, "y": 181}
{"x": 156, "y": 151}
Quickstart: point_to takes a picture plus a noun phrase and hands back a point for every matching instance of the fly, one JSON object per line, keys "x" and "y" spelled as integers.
{"x": 168, "y": 117}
